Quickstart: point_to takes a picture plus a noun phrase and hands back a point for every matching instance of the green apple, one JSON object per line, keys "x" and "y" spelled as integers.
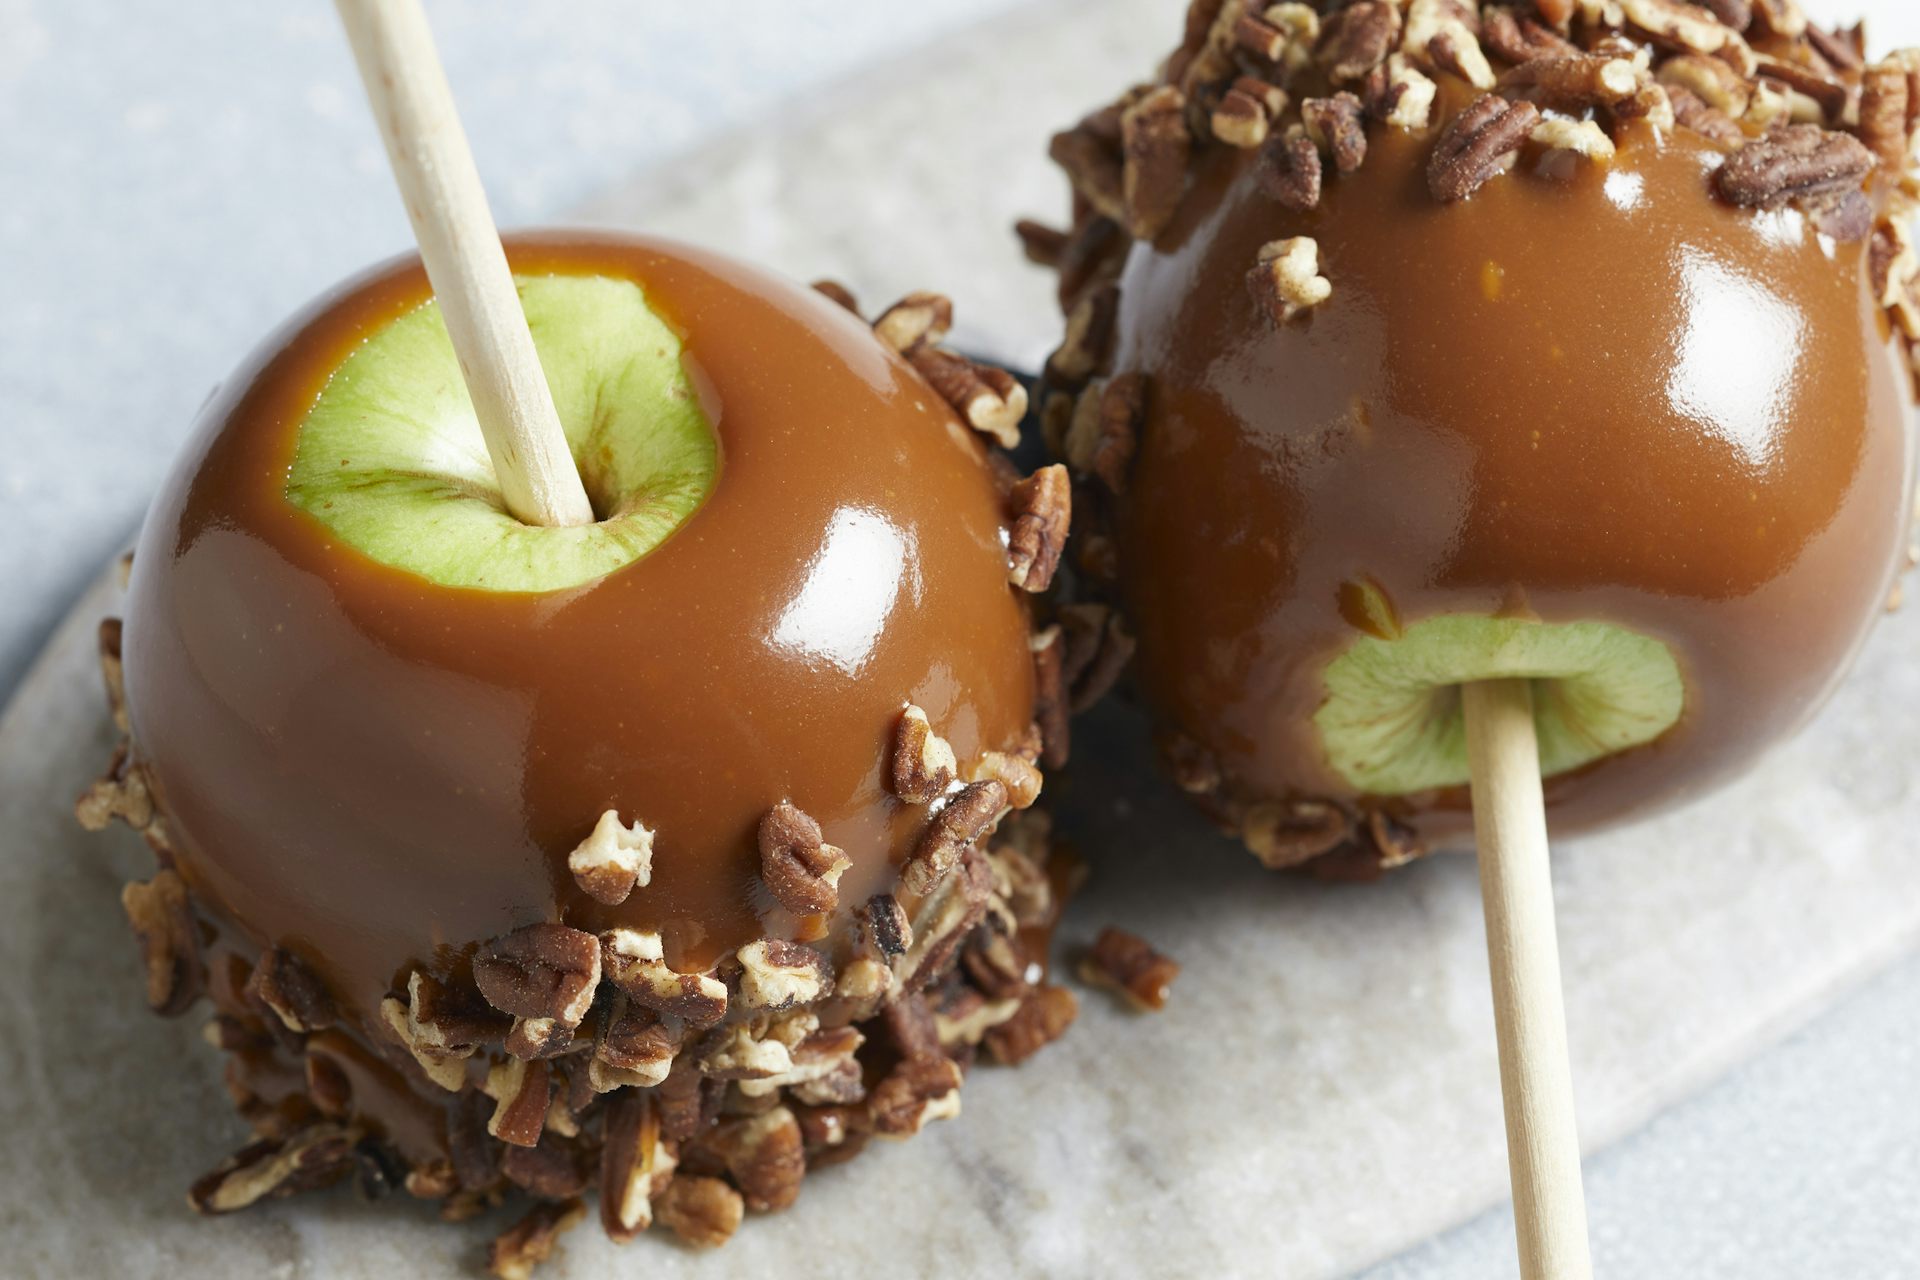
{"x": 390, "y": 457}
{"x": 1392, "y": 724}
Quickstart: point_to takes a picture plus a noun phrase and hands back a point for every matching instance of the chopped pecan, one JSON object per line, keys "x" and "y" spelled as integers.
{"x": 286, "y": 986}
{"x": 701, "y": 1211}
{"x": 521, "y": 1092}
{"x": 1042, "y": 509}
{"x": 1581, "y": 137}
{"x": 1092, "y": 164}
{"x": 1799, "y": 162}
{"x": 1043, "y": 1017}
{"x": 766, "y": 1155}
{"x": 1246, "y": 112}
{"x": 1846, "y": 216}
{"x": 1050, "y": 707}
{"x": 1736, "y": 14}
{"x": 1286, "y": 279}
{"x": 1710, "y": 80}
{"x": 1128, "y": 964}
{"x": 614, "y": 860}
{"x": 1291, "y": 172}
{"x": 1098, "y": 648}
{"x": 1288, "y": 835}
{"x": 1089, "y": 331}
{"x": 633, "y": 1047}
{"x": 911, "y": 1027}
{"x": 967, "y": 816}
{"x": 1779, "y": 18}
{"x": 544, "y": 975}
{"x": 918, "y": 1090}
{"x": 1154, "y": 146}
{"x": 113, "y": 670}
{"x": 998, "y": 966}
{"x": 1394, "y": 841}
{"x": 922, "y": 765}
{"x": 801, "y": 869}
{"x": 553, "y": 1169}
{"x": 1105, "y": 430}
{"x": 1357, "y": 39}
{"x": 1518, "y": 39}
{"x": 1692, "y": 113}
{"x": 944, "y": 919}
{"x": 825, "y": 1070}
{"x": 1571, "y": 83}
{"x": 1400, "y": 94}
{"x": 1556, "y": 12}
{"x": 306, "y": 1160}
{"x": 120, "y": 793}
{"x": 1016, "y": 773}
{"x": 839, "y": 293}
{"x": 518, "y": 1251}
{"x": 635, "y": 1164}
{"x": 328, "y": 1086}
{"x": 635, "y": 963}
{"x": 435, "y": 1181}
{"x": 1338, "y": 125}
{"x": 1478, "y": 144}
{"x": 991, "y": 400}
{"x": 1194, "y": 769}
{"x": 475, "y": 1153}
{"x": 917, "y": 320}
{"x": 1831, "y": 99}
{"x": 1678, "y": 23}
{"x": 1448, "y": 32}
{"x": 1259, "y": 37}
{"x": 739, "y": 1052}
{"x": 780, "y": 975}
{"x": 1044, "y": 246}
{"x": 1887, "y": 107}
{"x": 1020, "y": 876}
{"x": 163, "y": 922}
{"x": 1845, "y": 49}
{"x": 966, "y": 1016}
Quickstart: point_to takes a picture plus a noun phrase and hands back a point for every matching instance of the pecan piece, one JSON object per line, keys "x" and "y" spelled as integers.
{"x": 1128, "y": 964}
{"x": 1516, "y": 39}
{"x": 635, "y": 963}
{"x": 614, "y": 860}
{"x": 1399, "y": 94}
{"x": 1736, "y": 14}
{"x": 544, "y": 975}
{"x": 1477, "y": 144}
{"x": 1357, "y": 39}
{"x": 1572, "y": 83}
{"x": 1098, "y": 648}
{"x": 918, "y": 1090}
{"x": 917, "y": 320}
{"x": 801, "y": 869}
{"x": 1886, "y": 111}
{"x": 1799, "y": 162}
{"x": 518, "y": 1251}
{"x": 1286, "y": 278}
{"x": 632, "y": 1047}
{"x": 1677, "y": 23}
{"x": 1050, "y": 708}
{"x": 1782, "y": 18}
{"x": 1246, "y": 112}
{"x": 991, "y": 400}
{"x": 635, "y": 1164}
{"x": 113, "y": 670}
{"x": 1154, "y": 145}
{"x": 923, "y": 766}
{"x": 1581, "y": 137}
{"x": 306, "y": 1160}
{"x": 1691, "y": 113}
{"x": 521, "y": 1092}
{"x": 1043, "y": 1017}
{"x": 780, "y": 975}
{"x": 1042, "y": 508}
{"x": 1092, "y": 164}
{"x": 766, "y": 1156}
{"x": 286, "y": 986}
{"x": 1018, "y": 774}
{"x": 884, "y": 931}
{"x": 1089, "y": 331}
{"x": 1288, "y": 835}
{"x": 1291, "y": 172}
{"x": 966, "y": 817}
{"x": 1044, "y": 246}
{"x": 169, "y": 936}
{"x": 838, "y": 293}
{"x": 551, "y": 1170}
{"x": 1710, "y": 80}
{"x": 120, "y": 793}
{"x": 1337, "y": 125}
{"x": 701, "y": 1211}
{"x": 1105, "y": 429}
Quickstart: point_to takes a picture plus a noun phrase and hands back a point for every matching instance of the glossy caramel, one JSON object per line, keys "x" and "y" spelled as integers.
{"x": 1589, "y": 392}
{"x": 377, "y": 771}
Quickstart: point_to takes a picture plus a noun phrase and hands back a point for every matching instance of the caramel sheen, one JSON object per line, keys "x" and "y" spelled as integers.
{"x": 385, "y": 771}
{"x": 1588, "y": 392}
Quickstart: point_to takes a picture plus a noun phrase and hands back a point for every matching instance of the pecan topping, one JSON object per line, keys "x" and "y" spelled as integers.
{"x": 113, "y": 670}
{"x": 519, "y": 1250}
{"x": 1016, "y": 773}
{"x": 1291, "y": 171}
{"x": 1357, "y": 39}
{"x": 1692, "y": 113}
{"x": 1477, "y": 144}
{"x": 635, "y": 963}
{"x": 1448, "y": 32}
{"x": 306, "y": 1160}
{"x": 635, "y": 1164}
{"x": 766, "y": 1156}
{"x": 836, "y": 292}
{"x": 521, "y": 1092}
{"x": 552, "y": 1170}
{"x": 780, "y": 975}
{"x": 1105, "y": 429}
{"x": 923, "y": 766}
{"x": 1887, "y": 107}
{"x": 1337, "y": 125}
{"x": 884, "y": 931}
{"x": 1710, "y": 80}
{"x": 1287, "y": 835}
{"x": 1043, "y": 1017}
{"x": 633, "y": 1047}
{"x": 965, "y": 1016}
{"x": 119, "y": 793}
{"x": 1582, "y": 137}
{"x": 615, "y": 859}
{"x": 966, "y": 817}
{"x": 1737, "y": 14}
{"x": 1799, "y": 162}
{"x": 1399, "y": 94}
{"x": 1286, "y": 279}
{"x": 1042, "y": 508}
{"x": 1258, "y": 37}
{"x": 1517, "y": 39}
{"x": 1572, "y": 83}
{"x": 1154, "y": 145}
{"x": 1089, "y": 331}
{"x": 1098, "y": 648}
{"x": 1246, "y": 112}
{"x": 944, "y": 919}
{"x": 544, "y": 975}
{"x": 169, "y": 936}
{"x": 1193, "y": 768}
{"x": 1050, "y": 707}
{"x": 1044, "y": 246}
{"x": 917, "y": 320}
{"x": 991, "y": 400}
{"x": 801, "y": 869}
{"x": 1675, "y": 22}
{"x": 701, "y": 1211}
{"x": 918, "y": 1090}
{"x": 283, "y": 983}
{"x": 1128, "y": 964}
{"x": 1091, "y": 161}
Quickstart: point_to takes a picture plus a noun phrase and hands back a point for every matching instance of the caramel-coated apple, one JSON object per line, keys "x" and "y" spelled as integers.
{"x": 1570, "y": 351}
{"x": 510, "y": 849}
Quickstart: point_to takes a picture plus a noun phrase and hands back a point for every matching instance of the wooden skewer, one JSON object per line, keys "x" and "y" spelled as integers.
{"x": 466, "y": 265}
{"x": 1516, "y": 890}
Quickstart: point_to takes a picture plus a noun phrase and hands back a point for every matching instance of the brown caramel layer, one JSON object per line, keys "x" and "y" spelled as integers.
{"x": 378, "y": 772}
{"x": 1588, "y": 392}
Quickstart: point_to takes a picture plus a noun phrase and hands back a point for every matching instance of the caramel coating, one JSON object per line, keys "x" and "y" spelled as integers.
{"x": 1590, "y": 391}
{"x": 383, "y": 771}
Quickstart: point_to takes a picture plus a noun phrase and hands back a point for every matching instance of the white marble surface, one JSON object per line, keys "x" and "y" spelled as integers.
{"x": 177, "y": 177}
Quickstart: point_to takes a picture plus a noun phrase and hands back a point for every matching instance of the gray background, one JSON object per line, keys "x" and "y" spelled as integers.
{"x": 176, "y": 177}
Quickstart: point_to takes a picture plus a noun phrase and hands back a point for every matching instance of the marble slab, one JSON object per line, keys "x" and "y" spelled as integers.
{"x": 1322, "y": 1091}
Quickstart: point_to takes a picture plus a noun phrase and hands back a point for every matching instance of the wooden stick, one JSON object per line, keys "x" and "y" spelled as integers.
{"x": 465, "y": 262}
{"x": 1516, "y": 889}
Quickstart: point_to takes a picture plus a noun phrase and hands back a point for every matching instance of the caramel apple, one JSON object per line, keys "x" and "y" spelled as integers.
{"x": 1418, "y": 345}
{"x": 519, "y": 857}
